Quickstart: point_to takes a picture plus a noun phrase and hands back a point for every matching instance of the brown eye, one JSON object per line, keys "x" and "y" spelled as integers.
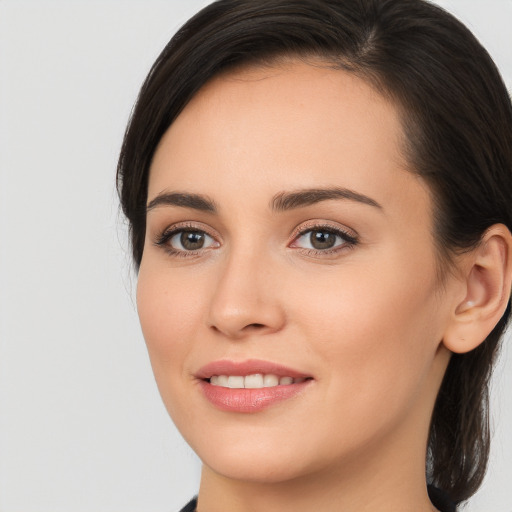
{"x": 322, "y": 240}
{"x": 190, "y": 240}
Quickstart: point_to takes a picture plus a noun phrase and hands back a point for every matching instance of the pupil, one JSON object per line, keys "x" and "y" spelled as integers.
{"x": 192, "y": 241}
{"x": 322, "y": 239}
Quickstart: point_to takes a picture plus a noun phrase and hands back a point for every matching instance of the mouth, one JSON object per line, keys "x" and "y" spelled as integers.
{"x": 249, "y": 386}
{"x": 253, "y": 381}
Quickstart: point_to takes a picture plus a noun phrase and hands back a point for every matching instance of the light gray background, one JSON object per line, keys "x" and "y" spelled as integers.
{"x": 82, "y": 427}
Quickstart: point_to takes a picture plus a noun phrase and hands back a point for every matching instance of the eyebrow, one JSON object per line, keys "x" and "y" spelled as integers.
{"x": 281, "y": 202}
{"x": 290, "y": 200}
{"x": 183, "y": 199}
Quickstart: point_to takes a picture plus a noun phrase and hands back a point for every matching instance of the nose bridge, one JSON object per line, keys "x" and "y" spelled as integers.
{"x": 245, "y": 298}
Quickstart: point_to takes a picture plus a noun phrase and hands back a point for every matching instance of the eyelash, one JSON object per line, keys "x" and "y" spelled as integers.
{"x": 348, "y": 240}
{"x": 164, "y": 239}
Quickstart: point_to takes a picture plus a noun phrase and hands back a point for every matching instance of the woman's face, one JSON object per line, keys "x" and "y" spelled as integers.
{"x": 285, "y": 240}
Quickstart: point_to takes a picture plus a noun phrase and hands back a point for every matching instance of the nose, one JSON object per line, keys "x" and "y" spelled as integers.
{"x": 246, "y": 298}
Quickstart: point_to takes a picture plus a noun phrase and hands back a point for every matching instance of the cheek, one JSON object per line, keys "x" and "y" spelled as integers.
{"x": 169, "y": 312}
{"x": 354, "y": 308}
{"x": 376, "y": 331}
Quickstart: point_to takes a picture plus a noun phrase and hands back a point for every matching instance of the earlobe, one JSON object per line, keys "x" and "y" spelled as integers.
{"x": 487, "y": 279}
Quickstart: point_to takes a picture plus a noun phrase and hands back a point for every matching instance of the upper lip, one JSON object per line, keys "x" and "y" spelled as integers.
{"x": 248, "y": 367}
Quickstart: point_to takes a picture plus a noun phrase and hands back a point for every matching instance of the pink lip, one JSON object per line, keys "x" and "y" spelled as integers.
{"x": 249, "y": 400}
{"x": 249, "y": 367}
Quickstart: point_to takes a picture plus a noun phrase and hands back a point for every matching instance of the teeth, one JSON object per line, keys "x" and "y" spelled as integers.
{"x": 269, "y": 381}
{"x": 235, "y": 382}
{"x": 254, "y": 381}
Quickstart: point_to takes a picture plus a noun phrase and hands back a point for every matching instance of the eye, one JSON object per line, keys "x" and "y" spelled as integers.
{"x": 190, "y": 240}
{"x": 323, "y": 239}
{"x": 184, "y": 242}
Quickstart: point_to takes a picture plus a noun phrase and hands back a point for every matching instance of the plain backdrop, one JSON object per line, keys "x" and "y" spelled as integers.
{"x": 82, "y": 427}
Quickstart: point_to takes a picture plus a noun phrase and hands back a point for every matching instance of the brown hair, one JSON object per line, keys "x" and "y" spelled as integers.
{"x": 457, "y": 121}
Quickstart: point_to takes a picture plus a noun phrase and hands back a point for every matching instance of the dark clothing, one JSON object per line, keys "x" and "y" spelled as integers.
{"x": 438, "y": 498}
{"x": 190, "y": 506}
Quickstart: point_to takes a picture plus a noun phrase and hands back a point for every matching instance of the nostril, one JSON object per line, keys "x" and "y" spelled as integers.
{"x": 255, "y": 326}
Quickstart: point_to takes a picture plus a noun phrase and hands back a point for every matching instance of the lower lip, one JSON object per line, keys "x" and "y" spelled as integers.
{"x": 250, "y": 400}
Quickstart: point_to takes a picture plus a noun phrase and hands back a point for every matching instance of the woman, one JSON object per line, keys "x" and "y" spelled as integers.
{"x": 319, "y": 201}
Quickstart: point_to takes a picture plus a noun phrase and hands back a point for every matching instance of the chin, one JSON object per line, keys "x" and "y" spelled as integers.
{"x": 260, "y": 457}
{"x": 271, "y": 469}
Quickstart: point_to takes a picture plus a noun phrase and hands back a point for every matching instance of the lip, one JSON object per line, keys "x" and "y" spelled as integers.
{"x": 249, "y": 367}
{"x": 249, "y": 400}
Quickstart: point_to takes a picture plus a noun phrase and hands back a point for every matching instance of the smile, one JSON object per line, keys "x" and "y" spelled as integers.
{"x": 254, "y": 381}
{"x": 250, "y": 386}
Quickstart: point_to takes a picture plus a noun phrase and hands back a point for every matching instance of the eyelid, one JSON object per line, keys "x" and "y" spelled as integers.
{"x": 163, "y": 237}
{"x": 349, "y": 238}
{"x": 317, "y": 224}
{"x": 190, "y": 226}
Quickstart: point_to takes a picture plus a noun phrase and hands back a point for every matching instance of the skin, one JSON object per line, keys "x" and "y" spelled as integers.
{"x": 366, "y": 321}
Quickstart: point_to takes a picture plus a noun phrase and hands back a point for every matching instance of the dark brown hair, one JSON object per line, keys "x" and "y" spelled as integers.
{"x": 457, "y": 121}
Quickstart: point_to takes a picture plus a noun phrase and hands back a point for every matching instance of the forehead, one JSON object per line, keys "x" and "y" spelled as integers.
{"x": 293, "y": 97}
{"x": 291, "y": 125}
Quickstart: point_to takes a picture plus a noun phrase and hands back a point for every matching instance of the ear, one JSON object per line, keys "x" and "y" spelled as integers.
{"x": 487, "y": 282}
